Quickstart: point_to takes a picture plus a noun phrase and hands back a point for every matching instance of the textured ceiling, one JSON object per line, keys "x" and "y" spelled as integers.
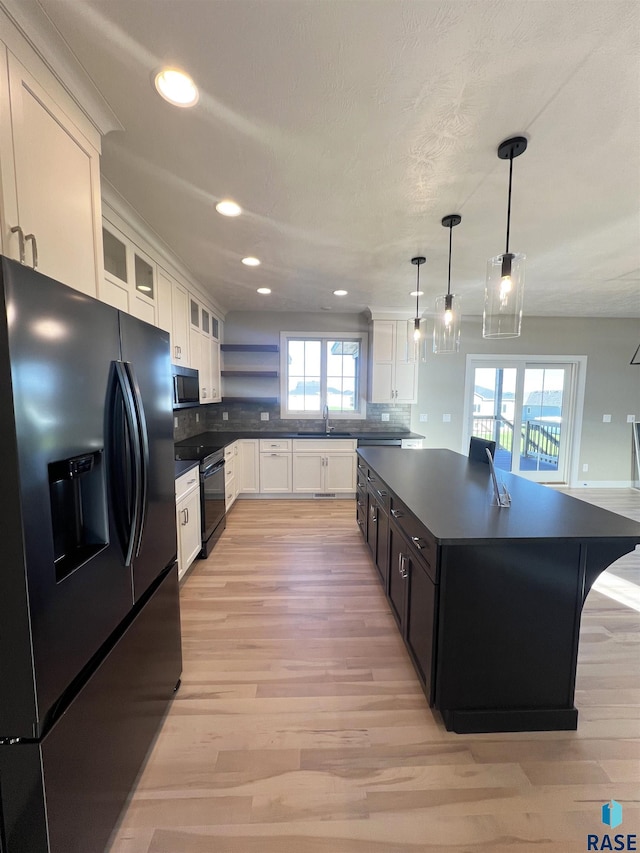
{"x": 347, "y": 130}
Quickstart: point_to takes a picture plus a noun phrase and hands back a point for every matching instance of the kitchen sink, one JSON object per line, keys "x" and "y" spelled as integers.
{"x": 323, "y": 434}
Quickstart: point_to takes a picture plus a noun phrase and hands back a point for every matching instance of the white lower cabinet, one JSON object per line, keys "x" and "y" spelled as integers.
{"x": 230, "y": 475}
{"x": 275, "y": 465}
{"x": 188, "y": 519}
{"x": 248, "y": 466}
{"x": 324, "y": 465}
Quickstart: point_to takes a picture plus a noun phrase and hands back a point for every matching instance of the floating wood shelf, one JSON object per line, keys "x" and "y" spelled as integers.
{"x": 263, "y": 400}
{"x": 270, "y": 374}
{"x": 250, "y": 348}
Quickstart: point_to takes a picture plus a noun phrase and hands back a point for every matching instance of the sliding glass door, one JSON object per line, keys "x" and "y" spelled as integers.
{"x": 527, "y": 408}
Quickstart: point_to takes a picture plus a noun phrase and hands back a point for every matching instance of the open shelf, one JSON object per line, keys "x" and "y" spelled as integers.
{"x": 250, "y": 348}
{"x": 263, "y": 400}
{"x": 270, "y": 374}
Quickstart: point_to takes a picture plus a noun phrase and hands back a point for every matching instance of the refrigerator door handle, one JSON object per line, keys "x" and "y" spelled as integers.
{"x": 134, "y": 471}
{"x": 142, "y": 436}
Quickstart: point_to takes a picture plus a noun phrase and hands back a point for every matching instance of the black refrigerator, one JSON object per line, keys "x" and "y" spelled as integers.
{"x": 90, "y": 652}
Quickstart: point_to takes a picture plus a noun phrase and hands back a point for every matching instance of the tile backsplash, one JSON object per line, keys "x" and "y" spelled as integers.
{"x": 245, "y": 417}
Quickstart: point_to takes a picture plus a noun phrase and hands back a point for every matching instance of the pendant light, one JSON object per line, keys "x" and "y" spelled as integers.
{"x": 418, "y": 330}
{"x": 446, "y": 330}
{"x": 504, "y": 291}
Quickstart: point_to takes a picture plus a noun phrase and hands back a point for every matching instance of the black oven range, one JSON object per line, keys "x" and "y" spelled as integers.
{"x": 211, "y": 459}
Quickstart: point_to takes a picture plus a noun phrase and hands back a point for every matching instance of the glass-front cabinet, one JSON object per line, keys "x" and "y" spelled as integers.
{"x": 129, "y": 277}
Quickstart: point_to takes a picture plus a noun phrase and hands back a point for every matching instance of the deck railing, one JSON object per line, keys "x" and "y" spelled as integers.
{"x": 539, "y": 440}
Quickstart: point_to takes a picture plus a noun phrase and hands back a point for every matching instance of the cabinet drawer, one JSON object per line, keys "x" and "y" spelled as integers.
{"x": 381, "y": 494}
{"x": 186, "y": 483}
{"x": 267, "y": 445}
{"x": 230, "y": 450}
{"x": 417, "y": 535}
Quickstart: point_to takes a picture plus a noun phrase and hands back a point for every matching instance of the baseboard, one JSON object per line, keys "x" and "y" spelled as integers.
{"x": 603, "y": 484}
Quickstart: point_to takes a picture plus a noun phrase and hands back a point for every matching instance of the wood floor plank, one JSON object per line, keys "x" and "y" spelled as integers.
{"x": 300, "y": 726}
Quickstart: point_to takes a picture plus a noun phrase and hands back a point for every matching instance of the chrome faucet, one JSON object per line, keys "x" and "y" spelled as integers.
{"x": 325, "y": 415}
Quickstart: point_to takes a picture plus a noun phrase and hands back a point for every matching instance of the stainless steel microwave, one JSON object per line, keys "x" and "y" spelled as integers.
{"x": 186, "y": 387}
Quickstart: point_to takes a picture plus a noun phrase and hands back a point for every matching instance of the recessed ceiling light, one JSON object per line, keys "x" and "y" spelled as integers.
{"x": 340, "y": 292}
{"x": 176, "y": 87}
{"x": 264, "y": 290}
{"x": 251, "y": 262}
{"x": 228, "y": 208}
{"x": 417, "y": 293}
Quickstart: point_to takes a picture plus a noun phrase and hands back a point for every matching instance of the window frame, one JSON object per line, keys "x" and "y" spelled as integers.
{"x": 360, "y": 411}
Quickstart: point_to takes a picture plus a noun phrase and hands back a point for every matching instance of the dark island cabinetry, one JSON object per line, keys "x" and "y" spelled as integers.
{"x": 488, "y": 600}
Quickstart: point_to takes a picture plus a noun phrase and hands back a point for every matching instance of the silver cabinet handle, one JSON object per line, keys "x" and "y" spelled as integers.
{"x": 204, "y": 392}
{"x": 360, "y": 484}
{"x": 382, "y": 493}
{"x": 397, "y": 513}
{"x": 176, "y": 351}
{"x": 185, "y": 517}
{"x": 34, "y": 249}
{"x": 403, "y": 572}
{"x": 371, "y": 479}
{"x": 359, "y": 503}
{"x": 191, "y": 482}
{"x": 18, "y": 230}
{"x": 417, "y": 542}
{"x": 373, "y": 514}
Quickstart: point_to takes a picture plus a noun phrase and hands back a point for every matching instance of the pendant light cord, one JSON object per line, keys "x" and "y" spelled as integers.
{"x": 417, "y": 291}
{"x": 509, "y": 201}
{"x": 449, "y": 274}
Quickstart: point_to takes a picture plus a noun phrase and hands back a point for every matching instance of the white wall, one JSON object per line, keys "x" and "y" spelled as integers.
{"x": 612, "y": 386}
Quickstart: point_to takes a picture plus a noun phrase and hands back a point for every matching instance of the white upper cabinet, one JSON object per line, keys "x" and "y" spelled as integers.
{"x": 50, "y": 180}
{"x": 394, "y": 369}
{"x": 130, "y": 275}
{"x": 173, "y": 306}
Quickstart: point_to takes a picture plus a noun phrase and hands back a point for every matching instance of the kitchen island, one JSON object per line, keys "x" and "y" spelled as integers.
{"x": 488, "y": 599}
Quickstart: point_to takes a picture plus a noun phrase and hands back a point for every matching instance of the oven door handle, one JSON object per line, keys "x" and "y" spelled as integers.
{"x": 212, "y": 469}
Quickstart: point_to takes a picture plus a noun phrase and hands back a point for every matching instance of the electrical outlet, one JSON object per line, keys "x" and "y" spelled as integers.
{"x": 225, "y": 416}
{"x": 446, "y": 419}
{"x": 424, "y": 418}
{"x": 606, "y": 419}
{"x": 197, "y": 417}
{"x": 631, "y": 419}
{"x": 175, "y": 423}
{"x": 264, "y": 416}
{"x": 585, "y": 468}
{"x": 384, "y": 416}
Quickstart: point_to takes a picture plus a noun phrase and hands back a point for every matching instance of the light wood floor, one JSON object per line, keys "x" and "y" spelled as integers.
{"x": 300, "y": 726}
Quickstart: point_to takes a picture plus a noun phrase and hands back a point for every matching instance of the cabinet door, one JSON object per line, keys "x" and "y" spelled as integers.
{"x": 406, "y": 382}
{"x": 180, "y": 324}
{"x": 214, "y": 351}
{"x": 398, "y": 574}
{"x": 275, "y": 472}
{"x": 189, "y": 530}
{"x": 372, "y": 525}
{"x": 382, "y": 547}
{"x": 340, "y": 472}
{"x": 420, "y": 627}
{"x": 204, "y": 368}
{"x": 248, "y": 466}
{"x": 172, "y": 301}
{"x": 308, "y": 472}
{"x": 57, "y": 186}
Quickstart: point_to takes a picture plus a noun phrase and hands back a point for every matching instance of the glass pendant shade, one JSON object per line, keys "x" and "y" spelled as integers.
{"x": 503, "y": 296}
{"x": 446, "y": 331}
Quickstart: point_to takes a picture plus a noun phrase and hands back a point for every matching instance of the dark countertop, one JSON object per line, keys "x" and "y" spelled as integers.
{"x": 183, "y": 466}
{"x": 451, "y": 496}
{"x": 220, "y": 439}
